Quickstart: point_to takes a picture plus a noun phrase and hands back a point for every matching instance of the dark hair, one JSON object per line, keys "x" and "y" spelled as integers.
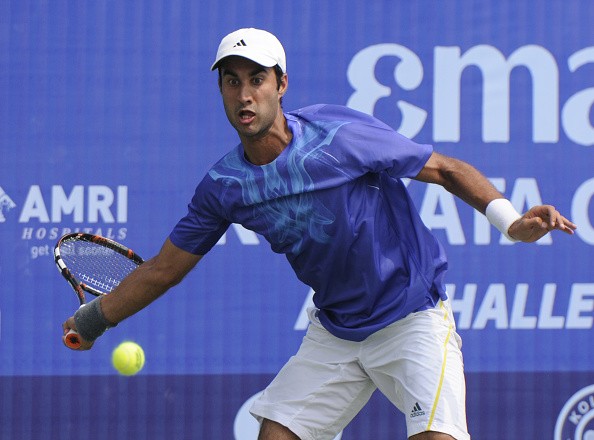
{"x": 279, "y": 75}
{"x": 277, "y": 71}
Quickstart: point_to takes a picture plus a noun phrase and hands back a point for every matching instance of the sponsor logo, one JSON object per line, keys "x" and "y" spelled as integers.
{"x": 576, "y": 419}
{"x": 417, "y": 411}
{"x": 48, "y": 212}
{"x": 550, "y": 114}
{"x": 6, "y": 204}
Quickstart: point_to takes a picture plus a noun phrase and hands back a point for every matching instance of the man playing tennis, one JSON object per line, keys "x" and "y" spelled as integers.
{"x": 322, "y": 185}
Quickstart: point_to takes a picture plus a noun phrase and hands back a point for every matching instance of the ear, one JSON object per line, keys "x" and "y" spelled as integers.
{"x": 284, "y": 84}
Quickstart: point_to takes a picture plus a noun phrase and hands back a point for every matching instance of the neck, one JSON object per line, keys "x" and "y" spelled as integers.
{"x": 267, "y": 147}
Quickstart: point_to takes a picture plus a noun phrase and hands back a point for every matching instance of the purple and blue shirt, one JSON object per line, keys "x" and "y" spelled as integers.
{"x": 333, "y": 202}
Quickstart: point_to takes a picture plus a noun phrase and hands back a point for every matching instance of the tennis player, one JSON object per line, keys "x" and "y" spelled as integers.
{"x": 323, "y": 185}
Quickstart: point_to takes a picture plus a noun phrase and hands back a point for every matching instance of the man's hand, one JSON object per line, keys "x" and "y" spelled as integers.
{"x": 537, "y": 222}
{"x": 70, "y": 325}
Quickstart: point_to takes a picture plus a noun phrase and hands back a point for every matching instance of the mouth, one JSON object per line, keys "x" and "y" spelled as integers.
{"x": 246, "y": 116}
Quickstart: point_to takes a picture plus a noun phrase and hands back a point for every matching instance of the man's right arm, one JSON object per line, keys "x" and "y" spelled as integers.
{"x": 148, "y": 282}
{"x": 144, "y": 285}
{"x": 466, "y": 182}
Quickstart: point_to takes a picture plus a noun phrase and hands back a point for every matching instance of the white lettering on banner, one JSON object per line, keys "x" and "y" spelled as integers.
{"x": 495, "y": 70}
{"x": 575, "y": 114}
{"x": 438, "y": 210}
{"x": 95, "y": 205}
{"x": 576, "y": 416}
{"x": 99, "y": 201}
{"x": 449, "y": 65}
{"x": 494, "y": 307}
{"x": 44, "y": 250}
{"x": 30, "y": 233}
{"x": 408, "y": 75}
{"x": 580, "y": 302}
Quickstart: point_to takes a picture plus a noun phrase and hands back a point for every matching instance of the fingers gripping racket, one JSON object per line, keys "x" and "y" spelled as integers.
{"x": 92, "y": 264}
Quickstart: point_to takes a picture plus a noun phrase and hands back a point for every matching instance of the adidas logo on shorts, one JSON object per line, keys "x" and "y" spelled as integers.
{"x": 417, "y": 411}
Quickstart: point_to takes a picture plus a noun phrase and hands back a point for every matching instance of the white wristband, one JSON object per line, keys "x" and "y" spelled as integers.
{"x": 501, "y": 214}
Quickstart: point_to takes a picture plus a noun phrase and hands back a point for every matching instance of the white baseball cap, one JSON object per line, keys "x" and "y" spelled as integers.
{"x": 254, "y": 44}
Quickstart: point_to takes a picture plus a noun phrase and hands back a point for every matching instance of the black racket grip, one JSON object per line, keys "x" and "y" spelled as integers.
{"x": 72, "y": 339}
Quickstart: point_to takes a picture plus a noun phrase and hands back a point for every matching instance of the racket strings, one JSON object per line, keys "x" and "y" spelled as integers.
{"x": 97, "y": 266}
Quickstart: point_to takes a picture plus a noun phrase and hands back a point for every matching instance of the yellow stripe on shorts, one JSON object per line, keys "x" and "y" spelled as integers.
{"x": 443, "y": 366}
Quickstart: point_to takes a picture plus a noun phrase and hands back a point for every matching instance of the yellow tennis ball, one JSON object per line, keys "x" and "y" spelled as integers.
{"x": 128, "y": 358}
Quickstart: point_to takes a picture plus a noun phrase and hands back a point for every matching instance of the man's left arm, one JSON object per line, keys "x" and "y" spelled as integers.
{"x": 466, "y": 182}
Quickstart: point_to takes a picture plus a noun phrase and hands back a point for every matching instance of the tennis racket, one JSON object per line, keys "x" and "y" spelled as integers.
{"x": 92, "y": 264}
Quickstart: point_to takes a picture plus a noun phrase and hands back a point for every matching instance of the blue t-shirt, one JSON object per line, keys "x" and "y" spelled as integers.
{"x": 334, "y": 204}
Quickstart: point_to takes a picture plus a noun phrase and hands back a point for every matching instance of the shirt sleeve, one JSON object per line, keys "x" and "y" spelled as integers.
{"x": 204, "y": 224}
{"x": 376, "y": 146}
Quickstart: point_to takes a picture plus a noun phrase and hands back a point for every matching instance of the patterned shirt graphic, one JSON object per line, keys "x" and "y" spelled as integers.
{"x": 333, "y": 203}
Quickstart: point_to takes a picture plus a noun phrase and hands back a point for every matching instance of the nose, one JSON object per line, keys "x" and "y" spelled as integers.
{"x": 245, "y": 94}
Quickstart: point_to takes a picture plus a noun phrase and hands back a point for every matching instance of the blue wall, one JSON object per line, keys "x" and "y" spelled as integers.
{"x": 109, "y": 116}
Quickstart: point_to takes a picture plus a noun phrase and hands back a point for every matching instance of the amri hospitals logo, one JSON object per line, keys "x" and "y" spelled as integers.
{"x": 46, "y": 213}
{"x": 6, "y": 204}
{"x": 576, "y": 419}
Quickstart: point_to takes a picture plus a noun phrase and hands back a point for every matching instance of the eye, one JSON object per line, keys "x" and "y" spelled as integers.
{"x": 258, "y": 80}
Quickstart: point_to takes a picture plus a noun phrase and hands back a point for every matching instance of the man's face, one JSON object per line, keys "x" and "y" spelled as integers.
{"x": 250, "y": 96}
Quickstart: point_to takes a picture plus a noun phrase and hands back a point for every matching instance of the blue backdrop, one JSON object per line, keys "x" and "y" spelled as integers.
{"x": 109, "y": 117}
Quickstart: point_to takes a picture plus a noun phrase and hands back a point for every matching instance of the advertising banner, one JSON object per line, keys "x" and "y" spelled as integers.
{"x": 110, "y": 116}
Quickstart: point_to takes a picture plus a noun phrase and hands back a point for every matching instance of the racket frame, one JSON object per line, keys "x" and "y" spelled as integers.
{"x": 71, "y": 338}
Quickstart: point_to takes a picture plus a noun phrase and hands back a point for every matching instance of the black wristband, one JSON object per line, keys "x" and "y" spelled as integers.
{"x": 90, "y": 321}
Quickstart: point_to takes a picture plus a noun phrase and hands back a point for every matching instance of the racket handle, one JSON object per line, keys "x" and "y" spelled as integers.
{"x": 71, "y": 339}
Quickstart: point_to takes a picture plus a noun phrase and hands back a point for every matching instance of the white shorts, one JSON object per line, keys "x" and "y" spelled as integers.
{"x": 415, "y": 362}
